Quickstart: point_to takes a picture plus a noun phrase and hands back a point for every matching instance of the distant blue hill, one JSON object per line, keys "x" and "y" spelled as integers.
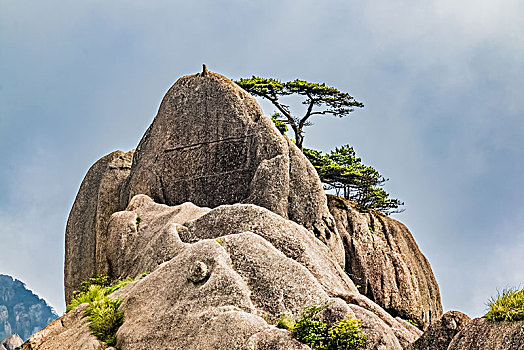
{"x": 21, "y": 311}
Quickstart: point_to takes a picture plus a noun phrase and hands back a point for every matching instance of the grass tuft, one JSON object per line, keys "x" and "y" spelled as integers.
{"x": 102, "y": 311}
{"x": 105, "y": 319}
{"x": 507, "y": 306}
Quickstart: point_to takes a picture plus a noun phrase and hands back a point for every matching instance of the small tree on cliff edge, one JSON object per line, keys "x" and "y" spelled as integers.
{"x": 319, "y": 99}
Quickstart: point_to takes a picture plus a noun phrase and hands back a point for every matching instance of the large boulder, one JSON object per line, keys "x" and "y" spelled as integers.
{"x": 441, "y": 333}
{"x": 384, "y": 260}
{"x": 231, "y": 221}
{"x": 210, "y": 145}
{"x": 481, "y": 334}
{"x": 97, "y": 198}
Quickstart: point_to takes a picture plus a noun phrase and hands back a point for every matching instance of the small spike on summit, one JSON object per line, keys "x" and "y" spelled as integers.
{"x": 204, "y": 70}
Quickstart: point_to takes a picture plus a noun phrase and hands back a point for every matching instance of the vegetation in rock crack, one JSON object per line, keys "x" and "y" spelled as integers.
{"x": 138, "y": 219}
{"x": 95, "y": 288}
{"x": 319, "y": 99}
{"x": 105, "y": 319}
{"x": 102, "y": 312}
{"x": 507, "y": 306}
{"x": 309, "y": 329}
{"x": 344, "y": 172}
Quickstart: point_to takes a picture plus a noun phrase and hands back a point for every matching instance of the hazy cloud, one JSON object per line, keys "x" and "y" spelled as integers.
{"x": 441, "y": 82}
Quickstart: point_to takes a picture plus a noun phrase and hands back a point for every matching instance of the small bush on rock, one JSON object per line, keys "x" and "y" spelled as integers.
{"x": 346, "y": 334}
{"x": 507, "y": 306}
{"x": 102, "y": 311}
{"x": 105, "y": 319}
{"x": 310, "y": 330}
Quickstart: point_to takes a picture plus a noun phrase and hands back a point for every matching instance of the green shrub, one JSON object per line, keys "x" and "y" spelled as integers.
{"x": 310, "y": 330}
{"x": 99, "y": 280}
{"x": 105, "y": 319}
{"x": 95, "y": 292}
{"x": 102, "y": 311}
{"x": 346, "y": 334}
{"x": 507, "y": 306}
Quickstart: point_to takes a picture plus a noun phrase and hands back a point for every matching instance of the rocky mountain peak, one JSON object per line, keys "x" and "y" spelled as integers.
{"x": 21, "y": 311}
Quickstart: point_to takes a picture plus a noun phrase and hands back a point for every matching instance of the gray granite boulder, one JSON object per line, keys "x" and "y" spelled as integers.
{"x": 481, "y": 334}
{"x": 384, "y": 260}
{"x": 441, "y": 333}
{"x": 97, "y": 198}
{"x": 210, "y": 145}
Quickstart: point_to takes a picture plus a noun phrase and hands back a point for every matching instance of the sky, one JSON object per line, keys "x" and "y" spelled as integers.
{"x": 441, "y": 81}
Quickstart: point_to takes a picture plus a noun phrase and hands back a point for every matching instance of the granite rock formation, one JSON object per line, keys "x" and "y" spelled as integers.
{"x": 209, "y": 145}
{"x": 441, "y": 333}
{"x": 97, "y": 199}
{"x": 70, "y": 331}
{"x": 21, "y": 311}
{"x": 383, "y": 259}
{"x": 231, "y": 221}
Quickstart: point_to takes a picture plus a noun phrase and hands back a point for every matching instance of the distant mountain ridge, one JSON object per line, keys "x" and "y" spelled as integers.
{"x": 21, "y": 311}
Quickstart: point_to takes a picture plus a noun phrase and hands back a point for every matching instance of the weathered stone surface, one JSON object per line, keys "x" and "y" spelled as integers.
{"x": 12, "y": 342}
{"x": 439, "y": 334}
{"x": 276, "y": 339}
{"x": 142, "y": 237}
{"x": 169, "y": 310}
{"x": 227, "y": 291}
{"x": 481, "y": 334}
{"x": 245, "y": 277}
{"x": 290, "y": 238}
{"x": 97, "y": 199}
{"x": 379, "y": 335}
{"x": 210, "y": 145}
{"x": 384, "y": 260}
{"x": 70, "y": 331}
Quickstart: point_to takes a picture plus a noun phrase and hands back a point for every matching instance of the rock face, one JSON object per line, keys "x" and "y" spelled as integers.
{"x": 209, "y": 145}
{"x": 441, "y": 333}
{"x": 21, "y": 311}
{"x": 12, "y": 342}
{"x": 382, "y": 257}
{"x": 97, "y": 199}
{"x": 482, "y": 334}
